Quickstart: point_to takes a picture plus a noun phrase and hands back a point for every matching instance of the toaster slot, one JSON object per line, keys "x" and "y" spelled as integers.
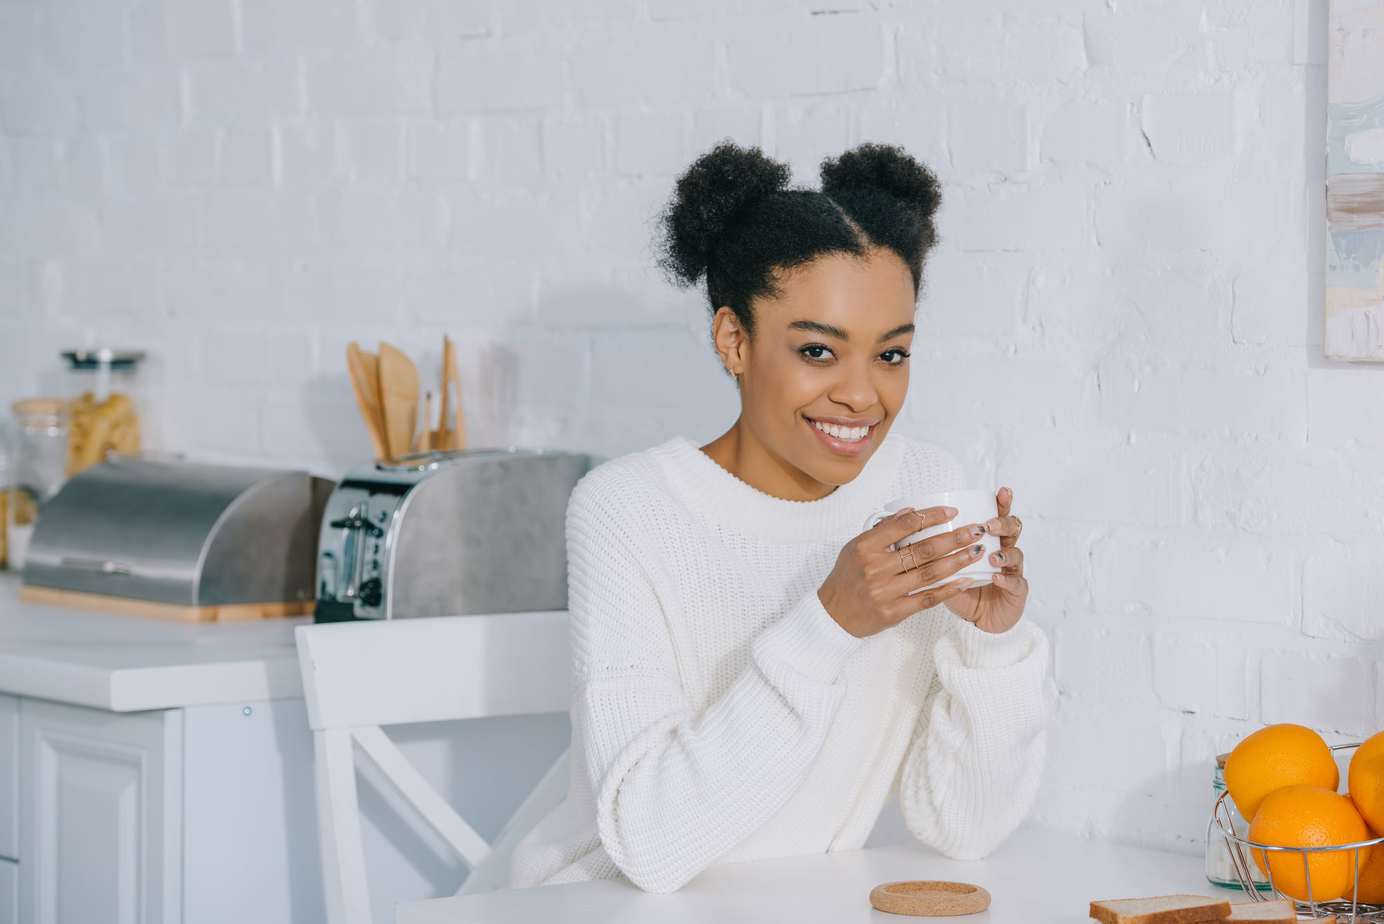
{"x": 349, "y": 568}
{"x": 327, "y": 576}
{"x": 359, "y": 534}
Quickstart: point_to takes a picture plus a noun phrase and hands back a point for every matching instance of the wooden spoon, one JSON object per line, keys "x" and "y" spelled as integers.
{"x": 455, "y": 436}
{"x": 364, "y": 370}
{"x": 399, "y": 398}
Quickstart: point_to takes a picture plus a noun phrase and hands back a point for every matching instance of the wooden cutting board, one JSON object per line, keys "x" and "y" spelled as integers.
{"x": 125, "y": 606}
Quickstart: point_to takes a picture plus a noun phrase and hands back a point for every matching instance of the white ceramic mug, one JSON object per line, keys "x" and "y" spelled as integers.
{"x": 972, "y": 506}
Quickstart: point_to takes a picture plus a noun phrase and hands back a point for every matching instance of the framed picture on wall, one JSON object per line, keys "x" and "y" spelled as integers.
{"x": 1354, "y": 305}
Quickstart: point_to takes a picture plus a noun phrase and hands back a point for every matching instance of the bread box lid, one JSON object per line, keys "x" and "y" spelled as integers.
{"x": 178, "y": 532}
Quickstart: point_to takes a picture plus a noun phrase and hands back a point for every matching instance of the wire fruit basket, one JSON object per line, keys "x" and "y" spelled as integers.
{"x": 1344, "y": 912}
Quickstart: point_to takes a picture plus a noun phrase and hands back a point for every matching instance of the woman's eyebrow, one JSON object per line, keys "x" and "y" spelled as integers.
{"x": 832, "y": 330}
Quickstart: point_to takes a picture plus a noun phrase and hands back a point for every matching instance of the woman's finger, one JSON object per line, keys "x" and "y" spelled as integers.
{"x": 1007, "y": 528}
{"x": 916, "y": 554}
{"x": 1010, "y": 559}
{"x": 1004, "y": 499}
{"x": 1012, "y": 584}
{"x": 908, "y": 604}
{"x": 907, "y": 522}
{"x": 931, "y": 572}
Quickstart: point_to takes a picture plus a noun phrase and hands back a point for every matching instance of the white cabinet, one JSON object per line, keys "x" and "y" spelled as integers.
{"x": 101, "y": 815}
{"x": 207, "y": 814}
{"x": 9, "y": 892}
{"x": 9, "y": 784}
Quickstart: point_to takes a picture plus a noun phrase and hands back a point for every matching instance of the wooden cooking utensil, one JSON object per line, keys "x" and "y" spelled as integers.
{"x": 440, "y": 436}
{"x": 399, "y": 398}
{"x": 364, "y": 370}
{"x": 424, "y": 440}
{"x": 451, "y": 379}
{"x": 447, "y": 435}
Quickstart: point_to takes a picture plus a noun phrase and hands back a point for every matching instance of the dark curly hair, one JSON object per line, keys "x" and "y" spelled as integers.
{"x": 734, "y": 218}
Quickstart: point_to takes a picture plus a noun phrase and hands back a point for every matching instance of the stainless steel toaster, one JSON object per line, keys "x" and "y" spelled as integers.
{"x": 448, "y": 534}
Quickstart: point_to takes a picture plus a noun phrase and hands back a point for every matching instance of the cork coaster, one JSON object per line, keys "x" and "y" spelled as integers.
{"x": 929, "y": 898}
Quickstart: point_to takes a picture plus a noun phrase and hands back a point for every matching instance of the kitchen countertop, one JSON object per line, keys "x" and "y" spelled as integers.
{"x": 1038, "y": 875}
{"x": 128, "y": 663}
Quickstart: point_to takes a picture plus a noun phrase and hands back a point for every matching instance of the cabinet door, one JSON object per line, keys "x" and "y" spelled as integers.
{"x": 9, "y": 892}
{"x": 9, "y": 778}
{"x": 100, "y": 815}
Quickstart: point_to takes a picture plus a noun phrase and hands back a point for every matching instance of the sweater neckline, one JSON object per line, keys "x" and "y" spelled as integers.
{"x": 725, "y": 498}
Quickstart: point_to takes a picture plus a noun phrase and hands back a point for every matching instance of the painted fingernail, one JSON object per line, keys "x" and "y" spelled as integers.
{"x": 977, "y": 530}
{"x": 998, "y": 558}
{"x": 976, "y": 549}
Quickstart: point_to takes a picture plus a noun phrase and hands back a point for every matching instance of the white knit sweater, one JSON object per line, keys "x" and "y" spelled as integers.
{"x": 720, "y": 714}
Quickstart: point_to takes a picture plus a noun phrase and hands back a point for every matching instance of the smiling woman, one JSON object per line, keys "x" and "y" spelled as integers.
{"x": 754, "y": 672}
{"x": 846, "y": 412}
{"x": 812, "y": 295}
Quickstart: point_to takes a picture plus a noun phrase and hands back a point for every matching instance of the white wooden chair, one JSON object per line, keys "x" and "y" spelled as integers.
{"x": 359, "y": 677}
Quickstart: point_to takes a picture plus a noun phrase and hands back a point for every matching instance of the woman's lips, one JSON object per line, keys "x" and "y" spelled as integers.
{"x": 841, "y": 447}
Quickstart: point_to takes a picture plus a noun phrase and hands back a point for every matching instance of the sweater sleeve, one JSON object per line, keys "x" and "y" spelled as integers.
{"x": 974, "y": 764}
{"x": 677, "y": 787}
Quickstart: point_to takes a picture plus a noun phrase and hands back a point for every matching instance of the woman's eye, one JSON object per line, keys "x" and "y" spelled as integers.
{"x": 815, "y": 351}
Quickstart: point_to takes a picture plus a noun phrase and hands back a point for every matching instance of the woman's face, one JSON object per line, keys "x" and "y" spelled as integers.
{"x": 832, "y": 348}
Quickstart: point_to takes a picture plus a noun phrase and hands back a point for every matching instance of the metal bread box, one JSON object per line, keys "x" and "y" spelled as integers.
{"x": 179, "y": 539}
{"x": 448, "y": 534}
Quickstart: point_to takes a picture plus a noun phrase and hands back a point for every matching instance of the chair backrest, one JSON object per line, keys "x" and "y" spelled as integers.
{"x": 360, "y": 677}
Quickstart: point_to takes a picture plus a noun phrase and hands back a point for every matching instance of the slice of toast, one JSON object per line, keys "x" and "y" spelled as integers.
{"x": 1161, "y": 909}
{"x": 1279, "y": 911}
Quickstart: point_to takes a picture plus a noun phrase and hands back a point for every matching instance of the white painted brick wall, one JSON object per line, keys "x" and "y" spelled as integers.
{"x": 1122, "y": 320}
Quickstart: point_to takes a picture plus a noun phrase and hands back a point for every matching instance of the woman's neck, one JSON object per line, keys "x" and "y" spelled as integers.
{"x": 738, "y": 452}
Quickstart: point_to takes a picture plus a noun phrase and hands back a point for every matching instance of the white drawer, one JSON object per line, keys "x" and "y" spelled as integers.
{"x": 9, "y": 779}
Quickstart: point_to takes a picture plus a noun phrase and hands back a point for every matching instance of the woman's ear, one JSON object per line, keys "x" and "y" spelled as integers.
{"x": 729, "y": 339}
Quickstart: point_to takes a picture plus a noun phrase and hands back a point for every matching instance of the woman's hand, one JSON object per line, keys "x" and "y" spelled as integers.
{"x": 868, "y": 589}
{"x": 997, "y": 607}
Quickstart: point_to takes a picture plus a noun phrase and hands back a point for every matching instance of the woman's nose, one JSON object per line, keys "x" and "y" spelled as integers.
{"x": 856, "y": 391}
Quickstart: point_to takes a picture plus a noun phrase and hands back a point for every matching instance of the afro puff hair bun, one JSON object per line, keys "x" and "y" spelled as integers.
{"x": 709, "y": 197}
{"x": 882, "y": 169}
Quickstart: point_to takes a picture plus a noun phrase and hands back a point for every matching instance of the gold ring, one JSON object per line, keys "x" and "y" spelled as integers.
{"x": 912, "y": 562}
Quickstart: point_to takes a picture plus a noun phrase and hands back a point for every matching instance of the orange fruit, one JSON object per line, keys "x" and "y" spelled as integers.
{"x": 1371, "y": 877}
{"x": 1276, "y": 756}
{"x": 1365, "y": 778}
{"x": 1308, "y": 816}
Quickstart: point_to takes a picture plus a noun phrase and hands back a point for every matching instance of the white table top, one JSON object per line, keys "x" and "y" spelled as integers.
{"x": 126, "y": 663}
{"x": 1037, "y": 876}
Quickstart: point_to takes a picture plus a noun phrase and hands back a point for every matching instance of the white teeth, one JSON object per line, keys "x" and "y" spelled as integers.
{"x": 845, "y": 434}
